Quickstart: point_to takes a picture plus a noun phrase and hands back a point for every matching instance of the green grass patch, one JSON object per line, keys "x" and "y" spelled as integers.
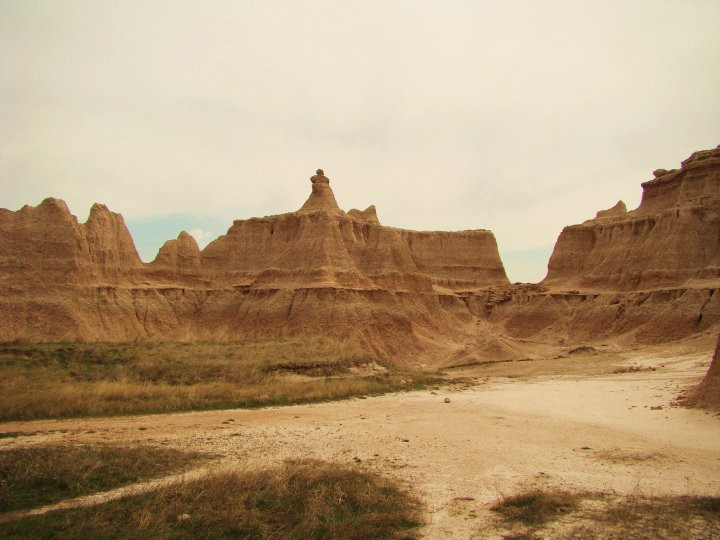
{"x": 301, "y": 499}
{"x": 40, "y": 475}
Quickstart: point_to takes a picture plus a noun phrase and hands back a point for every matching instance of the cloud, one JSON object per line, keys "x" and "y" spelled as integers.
{"x": 201, "y": 237}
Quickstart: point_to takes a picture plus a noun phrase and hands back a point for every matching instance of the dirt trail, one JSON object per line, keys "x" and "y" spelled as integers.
{"x": 613, "y": 433}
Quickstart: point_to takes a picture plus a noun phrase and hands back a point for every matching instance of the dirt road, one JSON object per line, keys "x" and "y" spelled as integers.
{"x": 613, "y": 433}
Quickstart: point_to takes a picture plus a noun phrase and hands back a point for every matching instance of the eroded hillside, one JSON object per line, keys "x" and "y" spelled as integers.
{"x": 425, "y": 298}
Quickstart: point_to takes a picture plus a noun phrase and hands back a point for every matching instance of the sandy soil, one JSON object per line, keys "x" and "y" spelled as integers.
{"x": 593, "y": 429}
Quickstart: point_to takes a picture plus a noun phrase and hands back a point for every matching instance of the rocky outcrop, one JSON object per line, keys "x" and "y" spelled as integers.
{"x": 179, "y": 257}
{"x": 322, "y": 246}
{"x": 707, "y": 393}
{"x": 671, "y": 239}
{"x": 420, "y": 297}
{"x": 318, "y": 270}
{"x": 45, "y": 245}
{"x": 112, "y": 252}
{"x": 369, "y": 214}
{"x": 618, "y": 210}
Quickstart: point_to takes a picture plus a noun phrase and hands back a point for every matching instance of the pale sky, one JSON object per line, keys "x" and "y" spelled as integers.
{"x": 516, "y": 116}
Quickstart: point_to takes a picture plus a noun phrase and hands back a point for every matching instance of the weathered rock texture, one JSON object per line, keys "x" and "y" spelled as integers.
{"x": 707, "y": 393}
{"x": 435, "y": 298}
{"x": 671, "y": 240}
{"x": 315, "y": 271}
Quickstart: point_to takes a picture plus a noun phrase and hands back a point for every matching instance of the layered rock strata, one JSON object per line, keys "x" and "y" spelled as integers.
{"x": 671, "y": 240}
{"x": 426, "y": 298}
{"x": 315, "y": 271}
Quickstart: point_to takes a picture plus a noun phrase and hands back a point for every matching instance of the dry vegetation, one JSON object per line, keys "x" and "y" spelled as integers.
{"x": 40, "y": 475}
{"x": 64, "y": 380}
{"x": 536, "y": 506}
{"x": 301, "y": 499}
{"x": 544, "y": 513}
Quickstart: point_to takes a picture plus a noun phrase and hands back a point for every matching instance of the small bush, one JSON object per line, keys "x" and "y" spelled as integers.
{"x": 536, "y": 506}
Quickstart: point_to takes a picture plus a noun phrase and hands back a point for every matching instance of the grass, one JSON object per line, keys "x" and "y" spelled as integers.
{"x": 580, "y": 515}
{"x": 663, "y": 517}
{"x": 40, "y": 475}
{"x": 300, "y": 499}
{"x": 536, "y": 506}
{"x": 99, "y": 379}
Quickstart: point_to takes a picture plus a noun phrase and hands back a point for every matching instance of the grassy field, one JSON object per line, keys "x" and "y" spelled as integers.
{"x": 301, "y": 499}
{"x": 95, "y": 379}
{"x": 40, "y": 475}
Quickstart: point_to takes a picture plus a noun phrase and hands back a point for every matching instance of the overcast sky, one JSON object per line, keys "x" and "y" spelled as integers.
{"x": 516, "y": 116}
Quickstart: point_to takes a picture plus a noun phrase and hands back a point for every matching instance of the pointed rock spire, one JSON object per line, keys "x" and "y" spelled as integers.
{"x": 321, "y": 199}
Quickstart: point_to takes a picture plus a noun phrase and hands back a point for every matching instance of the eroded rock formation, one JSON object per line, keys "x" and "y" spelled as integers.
{"x": 426, "y": 298}
{"x": 707, "y": 393}
{"x": 318, "y": 270}
{"x": 670, "y": 240}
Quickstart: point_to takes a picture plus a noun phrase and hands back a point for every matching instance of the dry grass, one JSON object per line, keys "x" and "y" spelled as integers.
{"x": 551, "y": 513}
{"x": 536, "y": 506}
{"x": 301, "y": 499}
{"x": 660, "y": 517}
{"x": 66, "y": 380}
{"x": 40, "y": 475}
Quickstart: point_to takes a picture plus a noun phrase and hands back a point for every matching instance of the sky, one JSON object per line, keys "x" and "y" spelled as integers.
{"x": 516, "y": 116}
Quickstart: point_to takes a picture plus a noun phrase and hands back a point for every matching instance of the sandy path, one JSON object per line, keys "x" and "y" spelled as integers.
{"x": 598, "y": 433}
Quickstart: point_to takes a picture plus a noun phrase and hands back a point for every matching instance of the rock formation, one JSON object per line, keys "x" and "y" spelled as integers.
{"x": 670, "y": 240}
{"x": 427, "y": 298}
{"x": 707, "y": 393}
{"x": 318, "y": 270}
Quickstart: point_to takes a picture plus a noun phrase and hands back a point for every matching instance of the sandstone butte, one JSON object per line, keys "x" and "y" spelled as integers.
{"x": 411, "y": 297}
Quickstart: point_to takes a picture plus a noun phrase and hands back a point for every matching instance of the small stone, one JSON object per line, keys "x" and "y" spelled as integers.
{"x": 183, "y": 517}
{"x": 446, "y": 400}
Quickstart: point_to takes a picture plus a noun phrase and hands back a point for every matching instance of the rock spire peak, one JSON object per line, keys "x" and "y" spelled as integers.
{"x": 322, "y": 197}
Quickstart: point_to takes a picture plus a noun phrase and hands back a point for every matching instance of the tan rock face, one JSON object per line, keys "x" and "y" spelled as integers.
{"x": 414, "y": 297}
{"x": 320, "y": 245}
{"x": 180, "y": 257}
{"x": 671, "y": 239}
{"x": 318, "y": 270}
{"x": 707, "y": 394}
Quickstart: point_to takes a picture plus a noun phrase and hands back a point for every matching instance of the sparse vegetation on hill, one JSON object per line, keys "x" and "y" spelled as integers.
{"x": 301, "y": 499}
{"x": 82, "y": 379}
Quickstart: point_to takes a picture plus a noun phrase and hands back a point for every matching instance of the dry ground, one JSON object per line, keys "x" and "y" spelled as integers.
{"x": 608, "y": 426}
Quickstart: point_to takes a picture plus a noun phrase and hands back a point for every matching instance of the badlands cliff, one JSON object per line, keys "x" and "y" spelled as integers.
{"x": 315, "y": 271}
{"x": 434, "y": 298}
{"x": 670, "y": 240}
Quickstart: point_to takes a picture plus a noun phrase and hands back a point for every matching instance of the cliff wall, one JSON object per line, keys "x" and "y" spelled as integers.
{"x": 315, "y": 271}
{"x": 671, "y": 239}
{"x": 413, "y": 297}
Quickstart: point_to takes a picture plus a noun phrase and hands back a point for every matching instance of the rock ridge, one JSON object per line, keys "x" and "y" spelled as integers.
{"x": 671, "y": 239}
{"x": 424, "y": 298}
